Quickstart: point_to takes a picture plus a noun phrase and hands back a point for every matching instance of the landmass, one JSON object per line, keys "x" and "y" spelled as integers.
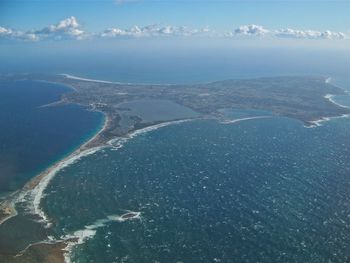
{"x": 301, "y": 97}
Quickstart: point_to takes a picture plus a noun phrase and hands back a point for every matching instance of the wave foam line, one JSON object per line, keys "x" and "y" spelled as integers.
{"x": 320, "y": 122}
{"x": 330, "y": 97}
{"x": 119, "y": 142}
{"x": 245, "y": 119}
{"x": 68, "y": 76}
{"x": 37, "y": 193}
{"x": 81, "y": 236}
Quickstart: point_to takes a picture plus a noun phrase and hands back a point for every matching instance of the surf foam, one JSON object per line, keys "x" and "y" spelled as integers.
{"x": 330, "y": 97}
{"x": 68, "y": 76}
{"x": 319, "y": 122}
{"x": 81, "y": 236}
{"x": 36, "y": 195}
{"x": 119, "y": 141}
{"x": 244, "y": 119}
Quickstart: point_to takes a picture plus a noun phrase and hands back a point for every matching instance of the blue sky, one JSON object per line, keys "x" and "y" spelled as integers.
{"x": 231, "y": 38}
{"x": 222, "y": 15}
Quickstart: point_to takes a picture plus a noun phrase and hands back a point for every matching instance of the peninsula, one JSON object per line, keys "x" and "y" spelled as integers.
{"x": 303, "y": 98}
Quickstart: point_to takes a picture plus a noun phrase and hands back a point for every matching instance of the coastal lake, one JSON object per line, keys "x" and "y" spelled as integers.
{"x": 33, "y": 137}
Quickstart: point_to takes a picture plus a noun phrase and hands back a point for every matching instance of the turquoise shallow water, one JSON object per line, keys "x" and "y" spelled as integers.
{"x": 264, "y": 190}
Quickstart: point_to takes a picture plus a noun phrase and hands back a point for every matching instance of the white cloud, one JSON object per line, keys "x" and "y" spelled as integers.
{"x": 4, "y": 31}
{"x": 13, "y": 34}
{"x": 67, "y": 28}
{"x": 251, "y": 30}
{"x": 154, "y": 31}
{"x": 260, "y": 31}
{"x": 308, "y": 34}
{"x": 113, "y": 32}
{"x": 70, "y": 28}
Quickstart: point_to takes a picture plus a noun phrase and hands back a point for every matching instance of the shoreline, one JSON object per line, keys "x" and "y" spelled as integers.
{"x": 244, "y": 119}
{"x": 40, "y": 182}
{"x": 7, "y": 206}
{"x": 33, "y": 191}
{"x": 330, "y": 97}
{"x": 35, "y": 187}
{"x": 69, "y": 76}
{"x": 318, "y": 123}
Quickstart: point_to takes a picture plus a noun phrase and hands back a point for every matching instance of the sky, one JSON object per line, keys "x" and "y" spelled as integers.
{"x": 101, "y": 14}
{"x": 325, "y": 19}
{"x": 175, "y": 39}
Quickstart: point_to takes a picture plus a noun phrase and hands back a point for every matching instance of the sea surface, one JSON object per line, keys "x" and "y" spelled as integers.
{"x": 258, "y": 190}
{"x": 32, "y": 137}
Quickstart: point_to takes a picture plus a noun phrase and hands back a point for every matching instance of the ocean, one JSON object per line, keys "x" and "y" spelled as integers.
{"x": 258, "y": 190}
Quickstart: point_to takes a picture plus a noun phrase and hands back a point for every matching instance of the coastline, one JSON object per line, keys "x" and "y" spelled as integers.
{"x": 330, "y": 98}
{"x": 244, "y": 119}
{"x": 35, "y": 190}
{"x": 36, "y": 186}
{"x": 39, "y": 182}
{"x": 69, "y": 76}
{"x": 61, "y": 248}
{"x": 7, "y": 206}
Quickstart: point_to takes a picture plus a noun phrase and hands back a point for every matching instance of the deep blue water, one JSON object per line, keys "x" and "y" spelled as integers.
{"x": 264, "y": 190}
{"x": 33, "y": 137}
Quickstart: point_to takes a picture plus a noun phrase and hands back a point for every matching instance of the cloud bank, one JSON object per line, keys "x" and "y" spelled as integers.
{"x": 309, "y": 34}
{"x": 67, "y": 28}
{"x": 260, "y": 31}
{"x": 251, "y": 30}
{"x": 153, "y": 31}
{"x": 70, "y": 28}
